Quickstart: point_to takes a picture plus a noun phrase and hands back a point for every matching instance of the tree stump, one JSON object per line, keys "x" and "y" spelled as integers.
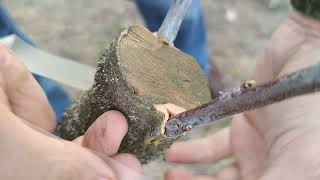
{"x": 138, "y": 71}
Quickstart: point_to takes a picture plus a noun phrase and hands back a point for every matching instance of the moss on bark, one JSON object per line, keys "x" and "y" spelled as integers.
{"x": 136, "y": 72}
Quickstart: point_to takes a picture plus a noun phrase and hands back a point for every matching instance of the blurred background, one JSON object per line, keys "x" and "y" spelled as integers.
{"x": 81, "y": 29}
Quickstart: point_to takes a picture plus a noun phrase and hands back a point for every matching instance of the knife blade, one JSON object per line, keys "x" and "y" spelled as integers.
{"x": 60, "y": 69}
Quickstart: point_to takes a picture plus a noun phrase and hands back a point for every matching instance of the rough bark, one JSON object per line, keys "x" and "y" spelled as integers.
{"x": 136, "y": 72}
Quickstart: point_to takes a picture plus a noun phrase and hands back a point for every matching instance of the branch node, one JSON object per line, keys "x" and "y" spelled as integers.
{"x": 249, "y": 84}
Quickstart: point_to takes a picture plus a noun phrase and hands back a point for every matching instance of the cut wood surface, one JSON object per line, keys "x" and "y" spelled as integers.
{"x": 136, "y": 72}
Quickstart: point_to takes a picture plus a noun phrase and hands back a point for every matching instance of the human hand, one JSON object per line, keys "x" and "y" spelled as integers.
{"x": 27, "y": 151}
{"x": 279, "y": 141}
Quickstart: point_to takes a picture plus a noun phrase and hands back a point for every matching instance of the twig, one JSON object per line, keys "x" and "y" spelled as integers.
{"x": 246, "y": 97}
{"x": 172, "y": 22}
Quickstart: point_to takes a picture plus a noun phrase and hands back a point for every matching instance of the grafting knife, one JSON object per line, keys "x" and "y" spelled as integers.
{"x": 60, "y": 69}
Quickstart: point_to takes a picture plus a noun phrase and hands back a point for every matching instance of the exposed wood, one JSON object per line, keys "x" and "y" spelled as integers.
{"x": 172, "y": 22}
{"x": 135, "y": 73}
{"x": 246, "y": 97}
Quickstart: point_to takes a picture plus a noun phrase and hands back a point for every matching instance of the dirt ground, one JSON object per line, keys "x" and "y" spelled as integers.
{"x": 237, "y": 31}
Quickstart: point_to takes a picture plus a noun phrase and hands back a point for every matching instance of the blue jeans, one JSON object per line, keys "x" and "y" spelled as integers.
{"x": 191, "y": 39}
{"x": 58, "y": 98}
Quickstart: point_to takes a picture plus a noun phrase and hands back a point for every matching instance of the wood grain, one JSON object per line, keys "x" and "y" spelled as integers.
{"x": 135, "y": 73}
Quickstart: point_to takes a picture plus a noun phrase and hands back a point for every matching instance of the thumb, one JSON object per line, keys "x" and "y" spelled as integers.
{"x": 24, "y": 95}
{"x": 104, "y": 137}
{"x": 106, "y": 133}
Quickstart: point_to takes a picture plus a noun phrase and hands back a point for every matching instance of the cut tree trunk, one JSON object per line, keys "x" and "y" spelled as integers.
{"x": 137, "y": 72}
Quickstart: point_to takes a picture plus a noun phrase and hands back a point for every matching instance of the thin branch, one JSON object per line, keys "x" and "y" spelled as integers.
{"x": 246, "y": 97}
{"x": 172, "y": 22}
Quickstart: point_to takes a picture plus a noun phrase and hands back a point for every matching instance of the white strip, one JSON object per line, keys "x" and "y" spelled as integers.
{"x": 57, "y": 68}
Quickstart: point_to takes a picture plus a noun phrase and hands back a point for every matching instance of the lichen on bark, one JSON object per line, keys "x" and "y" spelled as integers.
{"x": 134, "y": 74}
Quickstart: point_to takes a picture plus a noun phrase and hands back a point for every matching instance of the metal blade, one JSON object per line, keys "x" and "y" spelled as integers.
{"x": 172, "y": 22}
{"x": 63, "y": 70}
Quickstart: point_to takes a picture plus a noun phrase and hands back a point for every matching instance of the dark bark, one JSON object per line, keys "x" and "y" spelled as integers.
{"x": 244, "y": 98}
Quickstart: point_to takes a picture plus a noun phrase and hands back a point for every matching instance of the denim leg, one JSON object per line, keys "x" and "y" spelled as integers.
{"x": 9, "y": 26}
{"x": 58, "y": 98}
{"x": 191, "y": 39}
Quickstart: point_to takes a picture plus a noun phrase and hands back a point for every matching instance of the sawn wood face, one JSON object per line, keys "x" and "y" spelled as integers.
{"x": 138, "y": 71}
